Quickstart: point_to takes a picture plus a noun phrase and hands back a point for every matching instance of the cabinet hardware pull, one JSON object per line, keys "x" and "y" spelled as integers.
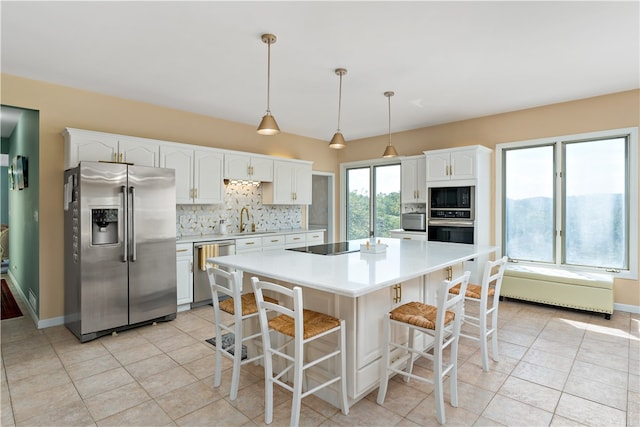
{"x": 121, "y": 157}
{"x": 191, "y": 266}
{"x": 182, "y": 250}
{"x": 250, "y": 243}
{"x": 449, "y": 273}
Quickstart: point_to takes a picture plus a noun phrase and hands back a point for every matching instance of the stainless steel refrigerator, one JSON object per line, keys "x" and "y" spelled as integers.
{"x": 120, "y": 253}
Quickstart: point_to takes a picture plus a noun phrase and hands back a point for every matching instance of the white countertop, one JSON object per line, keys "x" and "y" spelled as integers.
{"x": 233, "y": 236}
{"x": 355, "y": 274}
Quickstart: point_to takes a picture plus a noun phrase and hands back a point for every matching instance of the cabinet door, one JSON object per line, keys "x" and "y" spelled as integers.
{"x": 421, "y": 181}
{"x": 181, "y": 160}
{"x": 370, "y": 312}
{"x": 437, "y": 167}
{"x": 93, "y": 148}
{"x": 408, "y": 190}
{"x": 282, "y": 183}
{"x": 463, "y": 164}
{"x": 236, "y": 166}
{"x": 184, "y": 270}
{"x": 302, "y": 182}
{"x": 315, "y": 238}
{"x": 262, "y": 169}
{"x": 140, "y": 153}
{"x": 209, "y": 186}
{"x": 408, "y": 236}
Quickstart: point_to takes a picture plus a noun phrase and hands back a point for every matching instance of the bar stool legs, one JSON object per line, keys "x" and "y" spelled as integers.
{"x": 298, "y": 327}
{"x": 441, "y": 326}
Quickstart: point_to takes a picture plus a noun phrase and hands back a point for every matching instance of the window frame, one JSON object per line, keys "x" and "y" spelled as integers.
{"x": 343, "y": 188}
{"x": 559, "y": 143}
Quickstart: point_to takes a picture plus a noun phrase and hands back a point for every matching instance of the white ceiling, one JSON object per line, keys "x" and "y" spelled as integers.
{"x": 446, "y": 61}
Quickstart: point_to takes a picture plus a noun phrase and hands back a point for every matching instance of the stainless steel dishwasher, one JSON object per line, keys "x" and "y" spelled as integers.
{"x": 202, "y": 251}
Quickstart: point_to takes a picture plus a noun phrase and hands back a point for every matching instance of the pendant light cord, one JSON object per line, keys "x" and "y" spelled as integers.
{"x": 389, "y": 99}
{"x": 268, "y": 76}
{"x": 339, "y": 102}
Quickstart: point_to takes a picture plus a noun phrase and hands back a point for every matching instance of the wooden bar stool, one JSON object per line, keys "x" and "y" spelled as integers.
{"x": 299, "y": 327}
{"x": 241, "y": 307}
{"x": 440, "y": 326}
{"x": 487, "y": 320}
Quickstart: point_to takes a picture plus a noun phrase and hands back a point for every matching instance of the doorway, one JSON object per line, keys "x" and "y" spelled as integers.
{"x": 322, "y": 208}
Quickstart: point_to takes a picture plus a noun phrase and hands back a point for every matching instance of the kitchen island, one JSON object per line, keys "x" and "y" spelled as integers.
{"x": 359, "y": 288}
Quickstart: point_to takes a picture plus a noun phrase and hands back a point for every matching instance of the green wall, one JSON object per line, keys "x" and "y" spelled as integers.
{"x": 4, "y": 184}
{"x": 24, "y": 212}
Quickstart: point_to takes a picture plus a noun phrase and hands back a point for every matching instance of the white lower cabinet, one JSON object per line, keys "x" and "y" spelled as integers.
{"x": 273, "y": 242}
{"x": 409, "y": 235}
{"x": 295, "y": 240}
{"x": 184, "y": 270}
{"x": 315, "y": 238}
{"x": 248, "y": 244}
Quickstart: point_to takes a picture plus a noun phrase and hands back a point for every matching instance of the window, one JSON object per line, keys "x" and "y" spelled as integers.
{"x": 366, "y": 216}
{"x": 571, "y": 201}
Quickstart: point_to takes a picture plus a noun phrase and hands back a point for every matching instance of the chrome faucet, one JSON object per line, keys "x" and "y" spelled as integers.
{"x": 242, "y": 211}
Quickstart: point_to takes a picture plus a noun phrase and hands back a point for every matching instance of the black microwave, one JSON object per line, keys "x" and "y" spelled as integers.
{"x": 451, "y": 202}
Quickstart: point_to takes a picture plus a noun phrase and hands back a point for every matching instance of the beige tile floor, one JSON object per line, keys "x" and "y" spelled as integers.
{"x": 557, "y": 368}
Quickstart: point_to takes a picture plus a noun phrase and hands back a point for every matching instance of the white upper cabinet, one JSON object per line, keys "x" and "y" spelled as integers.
{"x": 198, "y": 173}
{"x": 291, "y": 184}
{"x": 414, "y": 183}
{"x": 83, "y": 145}
{"x": 139, "y": 152}
{"x": 239, "y": 166}
{"x": 209, "y": 185}
{"x": 455, "y": 164}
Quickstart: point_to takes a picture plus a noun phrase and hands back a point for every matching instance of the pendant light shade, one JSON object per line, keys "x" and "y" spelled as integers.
{"x": 389, "y": 151}
{"x": 337, "y": 141}
{"x": 268, "y": 125}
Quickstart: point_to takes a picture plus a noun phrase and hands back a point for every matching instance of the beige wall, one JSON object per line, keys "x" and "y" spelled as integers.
{"x": 613, "y": 111}
{"x": 62, "y": 107}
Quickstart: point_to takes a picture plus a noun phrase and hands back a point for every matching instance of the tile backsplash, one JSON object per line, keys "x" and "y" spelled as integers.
{"x": 205, "y": 219}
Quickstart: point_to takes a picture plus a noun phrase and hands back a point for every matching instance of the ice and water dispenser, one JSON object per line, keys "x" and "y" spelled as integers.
{"x": 104, "y": 226}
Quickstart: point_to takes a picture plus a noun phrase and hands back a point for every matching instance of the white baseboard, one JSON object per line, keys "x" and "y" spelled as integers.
{"x": 18, "y": 288}
{"x": 53, "y": 321}
{"x": 635, "y": 309}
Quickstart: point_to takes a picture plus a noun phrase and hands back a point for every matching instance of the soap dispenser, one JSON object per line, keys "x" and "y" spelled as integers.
{"x": 222, "y": 228}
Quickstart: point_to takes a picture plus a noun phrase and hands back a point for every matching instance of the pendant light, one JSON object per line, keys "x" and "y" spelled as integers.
{"x": 337, "y": 141}
{"x": 389, "y": 151}
{"x": 268, "y": 125}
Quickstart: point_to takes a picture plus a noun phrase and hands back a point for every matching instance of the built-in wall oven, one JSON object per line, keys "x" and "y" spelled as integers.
{"x": 451, "y": 214}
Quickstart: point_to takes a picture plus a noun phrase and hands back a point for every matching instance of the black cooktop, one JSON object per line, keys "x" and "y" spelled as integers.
{"x": 329, "y": 248}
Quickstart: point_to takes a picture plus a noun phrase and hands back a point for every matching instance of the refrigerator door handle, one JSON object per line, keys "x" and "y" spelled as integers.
{"x": 132, "y": 190}
{"x": 125, "y": 240}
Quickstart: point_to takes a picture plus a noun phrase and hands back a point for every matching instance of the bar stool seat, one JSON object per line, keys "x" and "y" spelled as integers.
{"x": 297, "y": 327}
{"x": 440, "y": 325}
{"x": 487, "y": 298}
